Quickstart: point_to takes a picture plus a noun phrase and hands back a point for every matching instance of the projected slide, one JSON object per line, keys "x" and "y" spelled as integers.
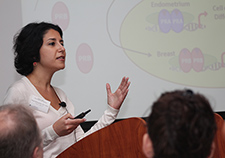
{"x": 181, "y": 42}
{"x": 177, "y": 41}
{"x": 160, "y": 45}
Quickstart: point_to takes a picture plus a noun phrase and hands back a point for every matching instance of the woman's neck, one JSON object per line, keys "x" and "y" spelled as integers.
{"x": 40, "y": 80}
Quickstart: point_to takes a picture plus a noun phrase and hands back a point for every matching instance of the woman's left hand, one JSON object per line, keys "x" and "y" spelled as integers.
{"x": 116, "y": 99}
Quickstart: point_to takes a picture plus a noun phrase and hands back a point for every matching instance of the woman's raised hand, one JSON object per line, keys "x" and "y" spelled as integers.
{"x": 116, "y": 99}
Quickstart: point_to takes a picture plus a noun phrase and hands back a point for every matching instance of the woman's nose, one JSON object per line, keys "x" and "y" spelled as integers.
{"x": 61, "y": 48}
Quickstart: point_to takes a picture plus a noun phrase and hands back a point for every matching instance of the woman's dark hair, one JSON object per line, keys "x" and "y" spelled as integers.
{"x": 27, "y": 44}
{"x": 181, "y": 125}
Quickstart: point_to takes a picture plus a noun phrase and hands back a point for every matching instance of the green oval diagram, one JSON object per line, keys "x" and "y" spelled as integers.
{"x": 180, "y": 42}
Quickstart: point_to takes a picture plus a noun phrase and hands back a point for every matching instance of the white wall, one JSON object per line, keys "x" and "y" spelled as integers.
{"x": 11, "y": 20}
{"x": 160, "y": 46}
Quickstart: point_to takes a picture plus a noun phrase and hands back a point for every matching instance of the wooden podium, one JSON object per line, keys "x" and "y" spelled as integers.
{"x": 122, "y": 139}
{"x": 219, "y": 137}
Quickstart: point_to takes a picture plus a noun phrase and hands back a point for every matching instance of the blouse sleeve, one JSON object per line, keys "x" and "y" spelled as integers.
{"x": 14, "y": 96}
{"x": 107, "y": 118}
{"x": 48, "y": 135}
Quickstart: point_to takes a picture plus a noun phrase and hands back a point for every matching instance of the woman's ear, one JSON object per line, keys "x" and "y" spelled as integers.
{"x": 147, "y": 146}
{"x": 213, "y": 146}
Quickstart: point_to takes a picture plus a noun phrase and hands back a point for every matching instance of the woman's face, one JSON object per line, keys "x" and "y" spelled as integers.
{"x": 52, "y": 52}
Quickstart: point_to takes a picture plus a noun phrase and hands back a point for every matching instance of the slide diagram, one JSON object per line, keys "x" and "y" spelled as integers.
{"x": 181, "y": 42}
{"x": 177, "y": 41}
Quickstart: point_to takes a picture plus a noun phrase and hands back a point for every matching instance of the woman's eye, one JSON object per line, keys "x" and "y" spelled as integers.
{"x": 62, "y": 44}
{"x": 52, "y": 43}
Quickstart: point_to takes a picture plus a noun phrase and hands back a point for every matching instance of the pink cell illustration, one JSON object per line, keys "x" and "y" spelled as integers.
{"x": 164, "y": 21}
{"x": 177, "y": 21}
{"x": 197, "y": 59}
{"x": 84, "y": 58}
{"x": 60, "y": 15}
{"x": 185, "y": 60}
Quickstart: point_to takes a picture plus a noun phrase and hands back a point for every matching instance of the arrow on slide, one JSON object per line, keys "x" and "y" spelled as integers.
{"x": 201, "y": 14}
{"x": 117, "y": 45}
{"x": 134, "y": 51}
{"x": 35, "y": 5}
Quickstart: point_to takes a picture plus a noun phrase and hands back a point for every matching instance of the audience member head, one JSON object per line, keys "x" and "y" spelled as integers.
{"x": 181, "y": 125}
{"x": 19, "y": 134}
{"x": 27, "y": 44}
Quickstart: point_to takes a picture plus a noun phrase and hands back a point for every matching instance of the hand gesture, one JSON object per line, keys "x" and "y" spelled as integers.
{"x": 66, "y": 124}
{"x": 116, "y": 99}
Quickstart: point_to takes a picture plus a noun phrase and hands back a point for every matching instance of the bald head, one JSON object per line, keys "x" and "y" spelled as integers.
{"x": 18, "y": 132}
{"x": 7, "y": 123}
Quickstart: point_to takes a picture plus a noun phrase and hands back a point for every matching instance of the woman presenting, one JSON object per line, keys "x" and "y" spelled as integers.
{"x": 39, "y": 53}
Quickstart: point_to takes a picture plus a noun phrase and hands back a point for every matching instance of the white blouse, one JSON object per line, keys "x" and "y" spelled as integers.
{"x": 24, "y": 92}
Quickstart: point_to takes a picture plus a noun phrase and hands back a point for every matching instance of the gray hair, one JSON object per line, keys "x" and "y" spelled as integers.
{"x": 19, "y": 133}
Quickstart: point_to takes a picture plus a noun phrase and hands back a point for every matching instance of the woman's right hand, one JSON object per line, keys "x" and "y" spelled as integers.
{"x": 66, "y": 124}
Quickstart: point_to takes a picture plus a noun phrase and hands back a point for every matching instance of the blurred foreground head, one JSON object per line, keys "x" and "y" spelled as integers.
{"x": 181, "y": 125}
{"x": 19, "y": 134}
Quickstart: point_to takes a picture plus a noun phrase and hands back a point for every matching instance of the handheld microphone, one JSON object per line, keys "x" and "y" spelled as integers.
{"x": 81, "y": 115}
{"x": 63, "y": 104}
